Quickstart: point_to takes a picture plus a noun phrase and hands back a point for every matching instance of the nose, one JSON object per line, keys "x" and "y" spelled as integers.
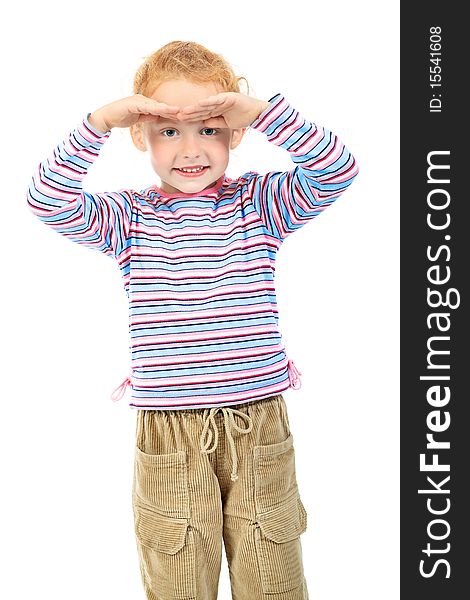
{"x": 190, "y": 146}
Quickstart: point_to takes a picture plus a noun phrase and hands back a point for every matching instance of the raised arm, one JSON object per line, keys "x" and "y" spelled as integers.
{"x": 324, "y": 170}
{"x": 55, "y": 194}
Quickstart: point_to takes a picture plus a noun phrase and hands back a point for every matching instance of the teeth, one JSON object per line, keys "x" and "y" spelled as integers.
{"x": 192, "y": 170}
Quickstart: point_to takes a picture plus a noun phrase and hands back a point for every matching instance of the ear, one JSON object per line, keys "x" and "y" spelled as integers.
{"x": 237, "y": 135}
{"x": 137, "y": 135}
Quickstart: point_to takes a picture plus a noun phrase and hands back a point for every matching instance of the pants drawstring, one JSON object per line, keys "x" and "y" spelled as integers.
{"x": 229, "y": 421}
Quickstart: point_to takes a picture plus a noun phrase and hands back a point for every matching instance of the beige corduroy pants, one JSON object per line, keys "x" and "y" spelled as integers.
{"x": 203, "y": 475}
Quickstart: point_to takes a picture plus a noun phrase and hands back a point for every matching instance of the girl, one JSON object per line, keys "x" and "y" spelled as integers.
{"x": 197, "y": 255}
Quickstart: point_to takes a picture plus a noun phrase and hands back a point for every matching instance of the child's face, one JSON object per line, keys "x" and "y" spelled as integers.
{"x": 174, "y": 144}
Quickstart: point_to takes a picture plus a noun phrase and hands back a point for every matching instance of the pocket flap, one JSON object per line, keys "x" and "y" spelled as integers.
{"x": 285, "y": 522}
{"x": 159, "y": 532}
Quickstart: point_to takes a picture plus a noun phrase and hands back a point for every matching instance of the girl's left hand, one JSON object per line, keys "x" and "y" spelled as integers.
{"x": 227, "y": 109}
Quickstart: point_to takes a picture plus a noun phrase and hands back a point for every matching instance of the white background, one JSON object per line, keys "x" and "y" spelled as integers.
{"x": 66, "y": 448}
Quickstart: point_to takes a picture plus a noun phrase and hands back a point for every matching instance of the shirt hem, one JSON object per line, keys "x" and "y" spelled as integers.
{"x": 217, "y": 404}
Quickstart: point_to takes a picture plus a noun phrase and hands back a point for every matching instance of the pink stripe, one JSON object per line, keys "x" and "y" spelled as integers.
{"x": 214, "y": 378}
{"x": 209, "y": 251}
{"x": 217, "y": 399}
{"x": 207, "y": 336}
{"x": 285, "y": 134}
{"x": 311, "y": 143}
{"x": 191, "y": 230}
{"x": 205, "y": 357}
{"x": 242, "y": 290}
{"x": 325, "y": 163}
{"x": 271, "y": 116}
{"x": 214, "y": 313}
{"x": 206, "y": 273}
{"x": 90, "y": 135}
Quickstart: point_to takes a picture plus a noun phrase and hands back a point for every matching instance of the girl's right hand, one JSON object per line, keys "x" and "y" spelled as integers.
{"x": 131, "y": 110}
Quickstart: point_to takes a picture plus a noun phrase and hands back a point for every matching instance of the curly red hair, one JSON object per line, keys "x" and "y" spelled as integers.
{"x": 185, "y": 60}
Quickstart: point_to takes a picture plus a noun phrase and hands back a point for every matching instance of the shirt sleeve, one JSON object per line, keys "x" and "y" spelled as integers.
{"x": 285, "y": 201}
{"x": 55, "y": 195}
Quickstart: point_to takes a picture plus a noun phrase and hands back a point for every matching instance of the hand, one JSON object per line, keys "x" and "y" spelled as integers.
{"x": 131, "y": 110}
{"x": 227, "y": 109}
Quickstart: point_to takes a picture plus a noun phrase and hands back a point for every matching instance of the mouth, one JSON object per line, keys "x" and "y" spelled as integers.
{"x": 195, "y": 171}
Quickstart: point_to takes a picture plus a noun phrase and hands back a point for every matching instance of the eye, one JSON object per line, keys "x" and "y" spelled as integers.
{"x": 165, "y": 130}
{"x": 210, "y": 129}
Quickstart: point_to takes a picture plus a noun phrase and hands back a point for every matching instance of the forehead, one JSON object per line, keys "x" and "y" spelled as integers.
{"x": 181, "y": 92}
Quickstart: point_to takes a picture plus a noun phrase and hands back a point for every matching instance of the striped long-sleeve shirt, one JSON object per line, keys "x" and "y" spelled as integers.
{"x": 198, "y": 269}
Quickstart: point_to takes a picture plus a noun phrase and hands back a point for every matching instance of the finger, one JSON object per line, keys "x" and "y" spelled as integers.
{"x": 212, "y": 100}
{"x": 202, "y": 105}
{"x": 167, "y": 110}
{"x": 144, "y": 117}
{"x": 170, "y": 117}
{"x": 156, "y": 109}
{"x": 189, "y": 110}
{"x": 223, "y": 98}
{"x": 197, "y": 116}
{"x": 218, "y": 122}
{"x": 199, "y": 119}
{"x": 163, "y": 108}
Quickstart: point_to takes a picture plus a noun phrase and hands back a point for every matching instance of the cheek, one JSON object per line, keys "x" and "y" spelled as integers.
{"x": 159, "y": 151}
{"x": 221, "y": 148}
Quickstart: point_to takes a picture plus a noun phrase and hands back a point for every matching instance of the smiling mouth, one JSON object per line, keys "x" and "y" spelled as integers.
{"x": 192, "y": 171}
{"x": 195, "y": 168}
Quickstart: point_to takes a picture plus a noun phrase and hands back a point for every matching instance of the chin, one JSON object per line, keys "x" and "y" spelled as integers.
{"x": 190, "y": 185}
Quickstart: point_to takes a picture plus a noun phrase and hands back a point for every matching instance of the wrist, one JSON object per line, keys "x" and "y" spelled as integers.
{"x": 98, "y": 122}
{"x": 263, "y": 105}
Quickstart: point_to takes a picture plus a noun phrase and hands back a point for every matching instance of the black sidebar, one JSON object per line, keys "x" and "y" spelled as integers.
{"x": 434, "y": 311}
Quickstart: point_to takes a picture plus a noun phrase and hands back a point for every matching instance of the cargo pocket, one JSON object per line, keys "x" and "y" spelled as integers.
{"x": 161, "y": 481}
{"x": 167, "y": 553}
{"x": 280, "y": 517}
{"x": 165, "y": 538}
